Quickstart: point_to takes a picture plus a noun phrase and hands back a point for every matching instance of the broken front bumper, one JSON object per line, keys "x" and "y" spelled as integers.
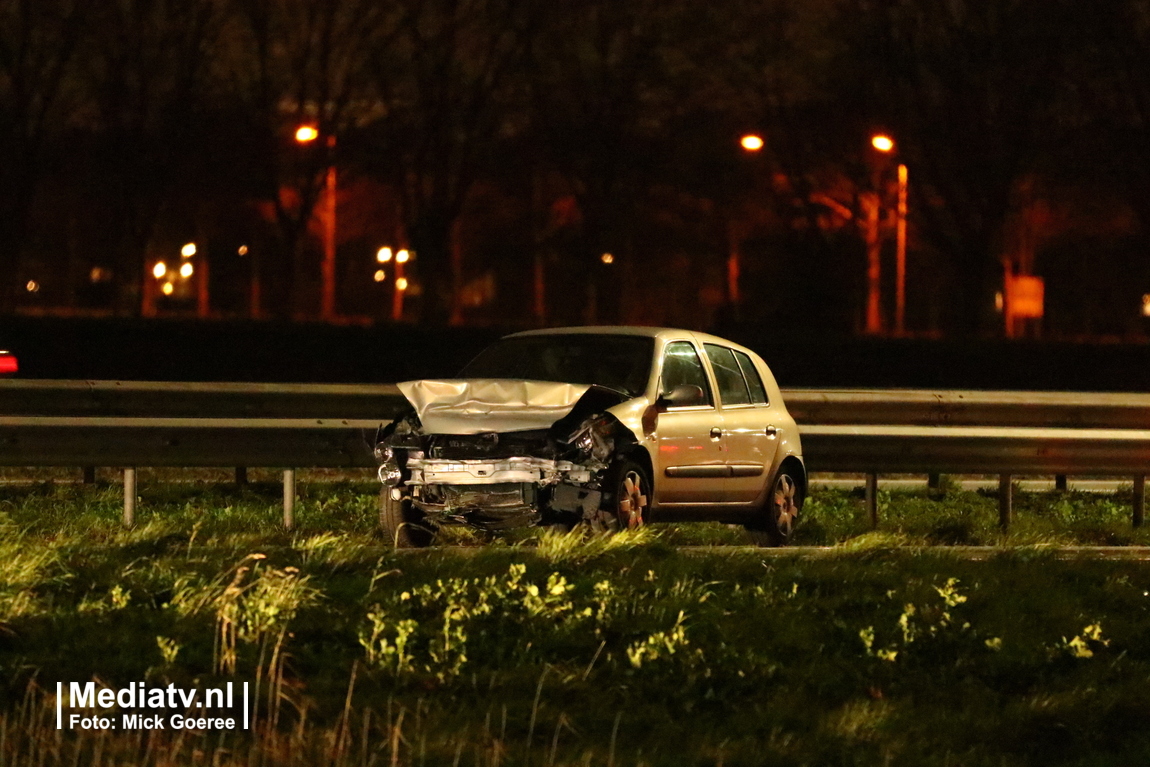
{"x": 541, "y": 471}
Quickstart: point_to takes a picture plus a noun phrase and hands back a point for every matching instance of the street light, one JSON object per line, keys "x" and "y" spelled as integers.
{"x": 751, "y": 142}
{"x": 305, "y": 134}
{"x": 159, "y": 270}
{"x": 188, "y": 250}
{"x": 401, "y": 257}
{"x": 882, "y": 143}
{"x": 383, "y": 255}
{"x": 186, "y": 269}
{"x": 885, "y": 144}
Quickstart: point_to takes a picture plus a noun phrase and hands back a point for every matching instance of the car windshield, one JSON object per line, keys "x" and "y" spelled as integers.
{"x": 622, "y": 363}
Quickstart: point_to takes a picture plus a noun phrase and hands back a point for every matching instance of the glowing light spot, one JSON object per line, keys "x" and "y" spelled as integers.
{"x": 188, "y": 250}
{"x": 167, "y": 289}
{"x": 186, "y": 270}
{"x": 33, "y": 286}
{"x": 383, "y": 255}
{"x": 306, "y": 133}
{"x": 1146, "y": 305}
{"x": 379, "y": 275}
{"x": 401, "y": 283}
{"x": 159, "y": 270}
{"x": 607, "y": 258}
{"x": 402, "y": 257}
{"x": 243, "y": 250}
{"x": 751, "y": 142}
{"x": 882, "y": 143}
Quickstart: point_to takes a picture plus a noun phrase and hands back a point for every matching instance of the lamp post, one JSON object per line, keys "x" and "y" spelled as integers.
{"x": 886, "y": 144}
{"x": 751, "y": 143}
{"x": 305, "y": 134}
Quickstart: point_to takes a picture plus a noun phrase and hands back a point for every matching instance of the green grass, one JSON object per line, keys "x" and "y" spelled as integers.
{"x": 563, "y": 650}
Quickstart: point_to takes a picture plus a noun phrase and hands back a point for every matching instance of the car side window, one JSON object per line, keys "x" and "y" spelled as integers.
{"x": 682, "y": 366}
{"x": 732, "y": 387}
{"x": 754, "y": 380}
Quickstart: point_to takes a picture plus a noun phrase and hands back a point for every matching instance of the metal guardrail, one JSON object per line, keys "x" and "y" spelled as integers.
{"x": 288, "y": 426}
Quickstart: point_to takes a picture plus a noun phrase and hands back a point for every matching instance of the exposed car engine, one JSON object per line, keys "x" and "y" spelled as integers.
{"x": 497, "y": 480}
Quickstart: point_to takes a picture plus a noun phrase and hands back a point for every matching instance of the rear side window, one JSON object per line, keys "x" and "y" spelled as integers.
{"x": 681, "y": 365}
{"x": 758, "y": 391}
{"x": 732, "y": 387}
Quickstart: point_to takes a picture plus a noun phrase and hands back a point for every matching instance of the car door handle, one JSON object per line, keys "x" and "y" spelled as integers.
{"x": 772, "y": 431}
{"x": 716, "y": 433}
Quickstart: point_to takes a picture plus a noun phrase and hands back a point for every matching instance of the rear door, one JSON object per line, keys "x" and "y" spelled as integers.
{"x": 748, "y": 434}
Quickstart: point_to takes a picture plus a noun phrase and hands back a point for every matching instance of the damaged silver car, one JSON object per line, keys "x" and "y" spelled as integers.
{"x": 608, "y": 427}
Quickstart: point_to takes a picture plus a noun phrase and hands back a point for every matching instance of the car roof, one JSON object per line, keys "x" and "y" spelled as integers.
{"x": 665, "y": 334}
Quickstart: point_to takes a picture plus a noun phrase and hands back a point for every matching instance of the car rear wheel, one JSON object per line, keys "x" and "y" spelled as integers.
{"x": 780, "y": 512}
{"x": 403, "y": 524}
{"x": 626, "y": 497}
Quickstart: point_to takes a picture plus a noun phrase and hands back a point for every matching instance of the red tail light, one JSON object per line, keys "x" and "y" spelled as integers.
{"x": 8, "y": 364}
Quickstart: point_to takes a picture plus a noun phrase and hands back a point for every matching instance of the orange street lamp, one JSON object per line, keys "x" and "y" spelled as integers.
{"x": 885, "y": 144}
{"x": 751, "y": 142}
{"x": 305, "y": 134}
{"x": 159, "y": 270}
{"x": 402, "y": 256}
{"x": 383, "y": 255}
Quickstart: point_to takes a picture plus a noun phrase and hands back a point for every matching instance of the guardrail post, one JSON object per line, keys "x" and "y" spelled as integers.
{"x": 1139, "y": 499}
{"x": 1060, "y": 482}
{"x": 130, "y": 497}
{"x": 872, "y": 498}
{"x": 289, "y": 499}
{"x": 241, "y": 475}
{"x": 933, "y": 480}
{"x": 89, "y": 475}
{"x": 1005, "y": 500}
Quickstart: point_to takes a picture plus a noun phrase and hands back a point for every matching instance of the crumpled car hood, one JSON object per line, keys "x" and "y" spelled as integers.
{"x": 476, "y": 406}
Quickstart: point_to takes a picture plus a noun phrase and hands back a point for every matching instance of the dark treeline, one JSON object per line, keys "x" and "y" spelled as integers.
{"x": 512, "y": 143}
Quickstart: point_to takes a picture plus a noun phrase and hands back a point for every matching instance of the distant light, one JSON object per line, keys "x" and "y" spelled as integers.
{"x": 751, "y": 142}
{"x": 8, "y": 363}
{"x": 999, "y": 301}
{"x": 243, "y": 250}
{"x": 383, "y": 255}
{"x": 306, "y": 133}
{"x": 188, "y": 250}
{"x": 401, "y": 283}
{"x": 379, "y": 275}
{"x": 1146, "y": 305}
{"x": 167, "y": 289}
{"x": 402, "y": 256}
{"x": 33, "y": 286}
{"x": 882, "y": 143}
{"x": 159, "y": 270}
{"x": 186, "y": 270}
{"x": 98, "y": 274}
{"x": 607, "y": 258}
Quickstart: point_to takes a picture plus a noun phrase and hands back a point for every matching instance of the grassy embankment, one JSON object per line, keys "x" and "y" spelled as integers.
{"x": 555, "y": 651}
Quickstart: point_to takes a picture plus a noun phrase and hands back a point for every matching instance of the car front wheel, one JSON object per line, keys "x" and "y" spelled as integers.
{"x": 403, "y": 524}
{"x": 626, "y": 497}
{"x": 780, "y": 513}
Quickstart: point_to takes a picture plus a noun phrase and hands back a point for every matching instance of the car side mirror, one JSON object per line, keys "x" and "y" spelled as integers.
{"x": 683, "y": 394}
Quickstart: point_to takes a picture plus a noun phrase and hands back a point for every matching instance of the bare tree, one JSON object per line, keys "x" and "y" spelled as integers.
{"x": 446, "y": 82}
{"x": 296, "y": 62}
{"x": 38, "y": 40}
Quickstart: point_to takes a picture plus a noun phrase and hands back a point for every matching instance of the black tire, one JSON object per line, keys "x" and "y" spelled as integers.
{"x": 626, "y": 497}
{"x": 403, "y": 524}
{"x": 780, "y": 512}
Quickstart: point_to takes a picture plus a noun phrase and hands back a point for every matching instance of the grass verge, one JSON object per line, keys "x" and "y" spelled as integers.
{"x": 560, "y": 650}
